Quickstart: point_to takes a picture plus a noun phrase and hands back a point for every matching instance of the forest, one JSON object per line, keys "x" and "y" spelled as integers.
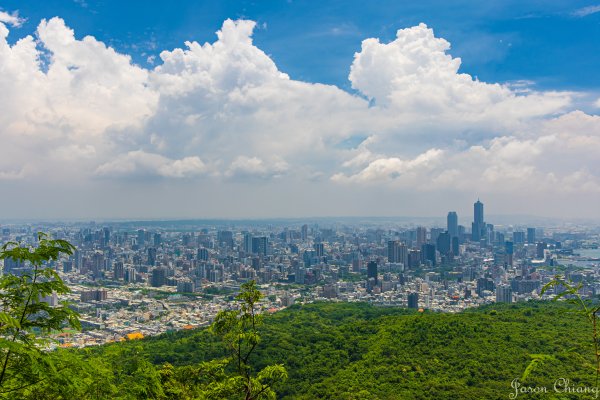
{"x": 350, "y": 351}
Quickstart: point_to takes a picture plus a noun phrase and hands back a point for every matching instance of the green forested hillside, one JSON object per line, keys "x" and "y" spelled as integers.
{"x": 361, "y": 351}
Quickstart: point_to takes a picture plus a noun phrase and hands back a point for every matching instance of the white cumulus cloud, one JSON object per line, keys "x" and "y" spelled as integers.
{"x": 142, "y": 164}
{"x": 253, "y": 167}
{"x": 11, "y": 19}
{"x": 415, "y": 74}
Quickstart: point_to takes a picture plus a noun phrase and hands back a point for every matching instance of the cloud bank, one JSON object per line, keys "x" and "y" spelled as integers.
{"x": 222, "y": 113}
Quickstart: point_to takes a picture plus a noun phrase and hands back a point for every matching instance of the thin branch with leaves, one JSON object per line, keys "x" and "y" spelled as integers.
{"x": 571, "y": 294}
{"x": 23, "y": 313}
{"x": 239, "y": 331}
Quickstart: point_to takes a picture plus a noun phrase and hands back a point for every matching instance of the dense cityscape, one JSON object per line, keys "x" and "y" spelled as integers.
{"x": 136, "y": 279}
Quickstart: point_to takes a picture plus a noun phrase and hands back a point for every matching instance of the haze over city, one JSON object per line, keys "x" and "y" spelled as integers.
{"x": 298, "y": 110}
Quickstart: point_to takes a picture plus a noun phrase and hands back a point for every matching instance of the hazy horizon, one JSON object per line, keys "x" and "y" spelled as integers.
{"x": 406, "y": 221}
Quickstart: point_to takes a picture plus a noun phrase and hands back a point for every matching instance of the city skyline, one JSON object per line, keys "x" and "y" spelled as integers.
{"x": 407, "y": 119}
{"x": 142, "y": 279}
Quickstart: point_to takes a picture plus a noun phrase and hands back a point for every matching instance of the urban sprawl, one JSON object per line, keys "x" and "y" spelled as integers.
{"x": 131, "y": 280}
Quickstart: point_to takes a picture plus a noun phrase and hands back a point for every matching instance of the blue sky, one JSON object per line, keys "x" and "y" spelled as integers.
{"x": 553, "y": 43}
{"x": 298, "y": 108}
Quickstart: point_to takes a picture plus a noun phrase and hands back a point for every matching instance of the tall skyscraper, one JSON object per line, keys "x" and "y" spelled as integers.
{"x": 519, "y": 237}
{"x": 478, "y": 228}
{"x": 392, "y": 251}
{"x": 509, "y": 251}
{"x": 141, "y": 237}
{"x": 530, "y": 235}
{"x": 319, "y": 249}
{"x": 151, "y": 256}
{"x": 421, "y": 236}
{"x": 397, "y": 252}
{"x": 372, "y": 271}
{"x": 157, "y": 239}
{"x": 452, "y": 224}
{"x": 428, "y": 253}
{"x": 259, "y": 245}
{"x": 106, "y": 236}
{"x": 455, "y": 246}
{"x": 247, "y": 242}
{"x": 202, "y": 254}
{"x": 434, "y": 233}
{"x": 413, "y": 300}
{"x": 118, "y": 270}
{"x": 444, "y": 243}
{"x": 541, "y": 250}
{"x": 130, "y": 275}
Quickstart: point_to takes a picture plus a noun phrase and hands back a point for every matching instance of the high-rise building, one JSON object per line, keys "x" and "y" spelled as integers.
{"x": 106, "y": 236}
{"x": 151, "y": 256}
{"x": 118, "y": 270}
{"x": 478, "y": 228}
{"x": 94, "y": 295}
{"x": 392, "y": 251}
{"x": 489, "y": 233}
{"x": 519, "y": 237}
{"x": 259, "y": 245}
{"x": 67, "y": 266}
{"x": 13, "y": 266}
{"x": 356, "y": 261}
{"x": 413, "y": 300}
{"x": 397, "y": 252}
{"x": 403, "y": 254}
{"x": 185, "y": 286}
{"x": 530, "y": 235}
{"x": 428, "y": 253}
{"x": 225, "y": 239}
{"x": 452, "y": 224}
{"x": 157, "y": 239}
{"x": 304, "y": 232}
{"x": 247, "y": 245}
{"x": 330, "y": 291}
{"x": 97, "y": 264}
{"x": 461, "y": 233}
{"x": 141, "y": 237}
{"x": 509, "y": 250}
{"x": 202, "y": 254}
{"x": 444, "y": 243}
{"x": 541, "y": 250}
{"x": 484, "y": 284}
{"x": 372, "y": 271}
{"x": 319, "y": 249}
{"x": 414, "y": 259}
{"x": 500, "y": 238}
{"x": 130, "y": 275}
{"x": 455, "y": 246}
{"x": 159, "y": 277}
{"x": 503, "y": 294}
{"x": 434, "y": 233}
{"x": 421, "y": 236}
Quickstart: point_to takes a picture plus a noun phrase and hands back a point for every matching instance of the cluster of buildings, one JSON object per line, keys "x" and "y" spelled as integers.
{"x": 131, "y": 280}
